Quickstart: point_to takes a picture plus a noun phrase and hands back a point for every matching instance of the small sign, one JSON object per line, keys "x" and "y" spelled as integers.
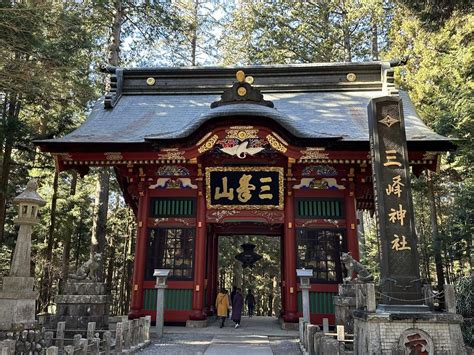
{"x": 244, "y": 187}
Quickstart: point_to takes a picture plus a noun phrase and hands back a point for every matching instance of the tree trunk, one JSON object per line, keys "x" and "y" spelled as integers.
{"x": 12, "y": 110}
{"x": 98, "y": 239}
{"x": 435, "y": 234}
{"x": 237, "y": 267}
{"x": 374, "y": 38}
{"x": 194, "y": 32}
{"x": 68, "y": 233}
{"x": 46, "y": 284}
{"x": 346, "y": 34}
{"x": 361, "y": 233}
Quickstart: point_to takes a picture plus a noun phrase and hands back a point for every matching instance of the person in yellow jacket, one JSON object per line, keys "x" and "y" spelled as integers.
{"x": 222, "y": 305}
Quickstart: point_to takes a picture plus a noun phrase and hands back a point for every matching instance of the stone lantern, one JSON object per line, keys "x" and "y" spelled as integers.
{"x": 28, "y": 203}
{"x": 305, "y": 276}
{"x": 161, "y": 276}
{"x": 17, "y": 298}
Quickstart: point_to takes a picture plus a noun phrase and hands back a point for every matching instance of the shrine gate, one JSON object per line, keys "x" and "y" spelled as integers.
{"x": 271, "y": 150}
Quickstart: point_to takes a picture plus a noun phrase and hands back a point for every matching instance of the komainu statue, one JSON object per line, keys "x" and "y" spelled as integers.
{"x": 88, "y": 270}
{"x": 363, "y": 275}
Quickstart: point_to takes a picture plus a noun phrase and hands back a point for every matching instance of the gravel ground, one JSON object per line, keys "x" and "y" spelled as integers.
{"x": 193, "y": 344}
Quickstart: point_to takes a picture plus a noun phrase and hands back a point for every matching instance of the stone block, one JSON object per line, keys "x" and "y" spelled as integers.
{"x": 289, "y": 326}
{"x": 10, "y": 345}
{"x": 344, "y": 306}
{"x": 147, "y": 328}
{"x": 311, "y": 330}
{"x": 317, "y": 346}
{"x": 119, "y": 338}
{"x": 325, "y": 325}
{"x": 18, "y": 283}
{"x": 17, "y": 312}
{"x": 371, "y": 302}
{"x": 330, "y": 346}
{"x": 450, "y": 298}
{"x": 347, "y": 290}
{"x": 52, "y": 350}
{"x": 90, "y": 330}
{"x": 107, "y": 338}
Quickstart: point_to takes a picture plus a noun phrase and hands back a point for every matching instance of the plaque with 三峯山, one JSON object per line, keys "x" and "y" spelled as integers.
{"x": 244, "y": 187}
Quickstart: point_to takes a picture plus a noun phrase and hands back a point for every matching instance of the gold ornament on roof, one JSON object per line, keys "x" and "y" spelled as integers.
{"x": 150, "y": 81}
{"x": 240, "y": 76}
{"x": 241, "y": 91}
{"x": 249, "y": 79}
{"x": 351, "y": 77}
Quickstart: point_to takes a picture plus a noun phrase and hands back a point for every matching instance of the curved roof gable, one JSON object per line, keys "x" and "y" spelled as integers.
{"x": 310, "y": 101}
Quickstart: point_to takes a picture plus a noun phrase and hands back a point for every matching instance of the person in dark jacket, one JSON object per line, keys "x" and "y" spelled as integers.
{"x": 237, "y": 306}
{"x": 250, "y": 300}
{"x": 232, "y": 294}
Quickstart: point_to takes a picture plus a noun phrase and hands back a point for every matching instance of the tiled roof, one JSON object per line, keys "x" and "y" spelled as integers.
{"x": 311, "y": 101}
{"x": 136, "y": 118}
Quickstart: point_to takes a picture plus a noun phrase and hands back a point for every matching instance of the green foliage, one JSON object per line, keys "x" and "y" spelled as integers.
{"x": 304, "y": 32}
{"x": 465, "y": 307}
{"x": 263, "y": 278}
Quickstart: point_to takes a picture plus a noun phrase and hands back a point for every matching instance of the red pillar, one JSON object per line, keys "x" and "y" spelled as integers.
{"x": 136, "y": 309}
{"x": 351, "y": 223}
{"x": 199, "y": 259}
{"x": 210, "y": 274}
{"x": 289, "y": 242}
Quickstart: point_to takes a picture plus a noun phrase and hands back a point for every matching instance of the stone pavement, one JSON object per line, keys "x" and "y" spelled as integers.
{"x": 257, "y": 335}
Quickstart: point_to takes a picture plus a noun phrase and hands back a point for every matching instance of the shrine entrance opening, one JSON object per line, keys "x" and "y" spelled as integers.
{"x": 263, "y": 249}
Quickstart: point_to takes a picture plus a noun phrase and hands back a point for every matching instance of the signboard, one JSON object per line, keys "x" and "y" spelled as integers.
{"x": 244, "y": 188}
{"x": 400, "y": 275}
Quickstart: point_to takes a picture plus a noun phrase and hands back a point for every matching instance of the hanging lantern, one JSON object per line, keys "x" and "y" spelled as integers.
{"x": 248, "y": 257}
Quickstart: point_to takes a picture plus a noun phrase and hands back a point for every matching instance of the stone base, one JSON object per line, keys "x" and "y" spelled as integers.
{"x": 400, "y": 333}
{"x": 343, "y": 307}
{"x": 17, "y": 303}
{"x": 16, "y": 314}
{"x": 196, "y": 323}
{"x": 82, "y": 302}
{"x": 289, "y": 326}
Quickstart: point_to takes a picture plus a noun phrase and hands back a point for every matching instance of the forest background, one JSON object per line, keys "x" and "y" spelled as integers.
{"x": 50, "y": 53}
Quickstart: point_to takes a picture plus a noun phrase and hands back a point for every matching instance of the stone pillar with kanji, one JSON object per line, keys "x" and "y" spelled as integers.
{"x": 400, "y": 282}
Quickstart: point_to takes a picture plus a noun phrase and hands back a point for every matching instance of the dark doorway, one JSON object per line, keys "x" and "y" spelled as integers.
{"x": 263, "y": 279}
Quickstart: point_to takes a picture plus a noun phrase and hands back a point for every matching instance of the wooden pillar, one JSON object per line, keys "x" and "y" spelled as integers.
{"x": 289, "y": 254}
{"x": 210, "y": 273}
{"x": 351, "y": 222}
{"x": 136, "y": 309}
{"x": 199, "y": 256}
{"x": 282, "y": 273}
{"x": 215, "y": 265}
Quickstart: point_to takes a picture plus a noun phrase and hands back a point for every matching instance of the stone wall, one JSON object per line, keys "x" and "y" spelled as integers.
{"x": 127, "y": 337}
{"x": 381, "y": 333}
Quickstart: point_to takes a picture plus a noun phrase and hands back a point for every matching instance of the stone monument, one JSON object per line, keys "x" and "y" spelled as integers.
{"x": 17, "y": 297}
{"x": 84, "y": 298}
{"x": 402, "y": 323}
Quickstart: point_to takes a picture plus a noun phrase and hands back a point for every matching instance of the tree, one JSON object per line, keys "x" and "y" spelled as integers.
{"x": 303, "y": 32}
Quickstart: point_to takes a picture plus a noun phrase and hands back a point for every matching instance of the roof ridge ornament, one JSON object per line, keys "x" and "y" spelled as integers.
{"x": 242, "y": 92}
{"x": 116, "y": 83}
